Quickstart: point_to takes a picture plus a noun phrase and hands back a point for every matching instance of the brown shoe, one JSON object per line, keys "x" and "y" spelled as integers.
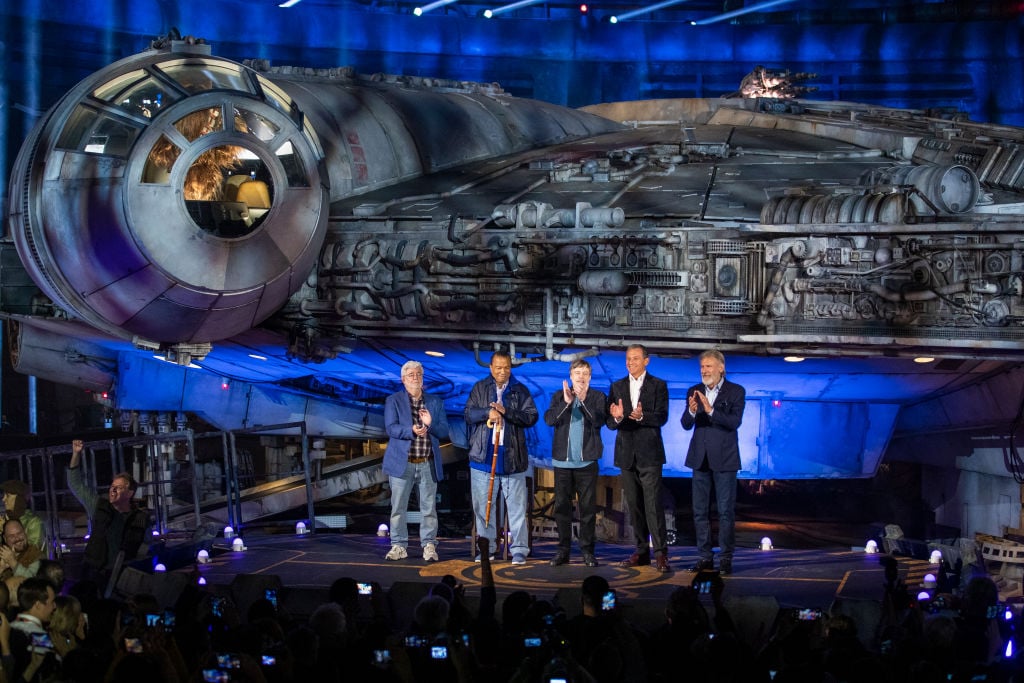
{"x": 637, "y": 559}
{"x": 661, "y": 563}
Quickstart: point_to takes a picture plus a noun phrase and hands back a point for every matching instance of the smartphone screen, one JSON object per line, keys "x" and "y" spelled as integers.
{"x": 608, "y": 601}
{"x": 439, "y": 652}
{"x": 365, "y": 588}
{"x": 808, "y": 614}
{"x": 271, "y": 595}
{"x": 531, "y": 642}
{"x": 133, "y": 645}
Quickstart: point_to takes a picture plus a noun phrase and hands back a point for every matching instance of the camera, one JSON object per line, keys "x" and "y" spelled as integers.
{"x": 217, "y": 606}
{"x": 216, "y": 676}
{"x": 133, "y": 645}
{"x": 439, "y": 652}
{"x": 153, "y": 620}
{"x": 271, "y": 595}
{"x": 168, "y": 620}
{"x": 381, "y": 657}
{"x": 531, "y": 641}
{"x": 608, "y": 601}
{"x": 365, "y": 588}
{"x": 415, "y": 641}
{"x": 808, "y": 614}
{"x": 268, "y": 660}
{"x": 225, "y": 661}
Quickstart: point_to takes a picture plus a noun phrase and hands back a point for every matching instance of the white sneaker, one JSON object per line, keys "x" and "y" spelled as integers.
{"x": 430, "y": 553}
{"x": 518, "y": 558}
{"x": 397, "y": 552}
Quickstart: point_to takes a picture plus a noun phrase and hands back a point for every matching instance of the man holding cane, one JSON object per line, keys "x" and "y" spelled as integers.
{"x": 499, "y": 410}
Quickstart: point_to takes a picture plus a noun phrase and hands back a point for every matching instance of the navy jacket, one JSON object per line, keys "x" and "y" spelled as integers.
{"x": 715, "y": 436}
{"x": 398, "y": 424}
{"x": 520, "y": 413}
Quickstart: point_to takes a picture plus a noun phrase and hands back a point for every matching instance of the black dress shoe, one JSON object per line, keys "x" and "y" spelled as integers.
{"x": 661, "y": 563}
{"x": 560, "y": 559}
{"x": 590, "y": 560}
{"x": 702, "y": 565}
{"x": 725, "y": 567}
{"x": 636, "y": 560}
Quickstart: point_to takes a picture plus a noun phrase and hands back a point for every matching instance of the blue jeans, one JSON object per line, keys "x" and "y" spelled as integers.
{"x": 725, "y": 499}
{"x": 513, "y": 488}
{"x": 421, "y": 475}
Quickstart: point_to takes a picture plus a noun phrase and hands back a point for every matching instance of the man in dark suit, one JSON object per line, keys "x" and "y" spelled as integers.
{"x": 637, "y": 410}
{"x": 714, "y": 412}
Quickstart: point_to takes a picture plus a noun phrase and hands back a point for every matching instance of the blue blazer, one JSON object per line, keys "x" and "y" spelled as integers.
{"x": 716, "y": 435}
{"x": 398, "y": 424}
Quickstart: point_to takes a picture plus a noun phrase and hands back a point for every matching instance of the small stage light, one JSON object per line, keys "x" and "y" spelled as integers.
{"x": 929, "y": 581}
{"x": 237, "y": 545}
{"x": 583, "y": 8}
{"x": 935, "y": 557}
{"x": 924, "y": 596}
{"x": 228, "y": 532}
{"x": 201, "y": 581}
{"x": 225, "y": 383}
{"x": 766, "y": 543}
{"x": 300, "y": 528}
{"x": 871, "y": 546}
{"x": 159, "y": 567}
{"x": 382, "y": 530}
{"x": 202, "y": 557}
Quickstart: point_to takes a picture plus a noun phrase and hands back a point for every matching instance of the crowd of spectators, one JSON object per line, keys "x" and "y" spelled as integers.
{"x": 56, "y": 631}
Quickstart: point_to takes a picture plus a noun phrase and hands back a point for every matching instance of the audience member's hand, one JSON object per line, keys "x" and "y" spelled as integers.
{"x": 483, "y": 544}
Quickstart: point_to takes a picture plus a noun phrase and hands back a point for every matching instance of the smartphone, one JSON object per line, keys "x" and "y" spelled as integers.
{"x": 133, "y": 645}
{"x": 381, "y": 657}
{"x": 704, "y": 587}
{"x": 439, "y": 652}
{"x": 271, "y": 595}
{"x": 809, "y": 614}
{"x": 225, "y": 661}
{"x": 414, "y": 641}
{"x": 169, "y": 620}
{"x": 994, "y": 611}
{"x": 216, "y": 676}
{"x": 365, "y": 588}
{"x": 530, "y": 641}
{"x": 217, "y": 607}
{"x": 268, "y": 660}
{"x": 608, "y": 601}
{"x": 40, "y": 642}
{"x": 153, "y": 620}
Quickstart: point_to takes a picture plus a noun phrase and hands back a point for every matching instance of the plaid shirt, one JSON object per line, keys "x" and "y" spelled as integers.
{"x": 420, "y": 447}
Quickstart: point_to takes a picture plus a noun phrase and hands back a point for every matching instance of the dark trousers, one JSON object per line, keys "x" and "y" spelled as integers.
{"x": 582, "y": 482}
{"x": 641, "y": 487}
{"x": 725, "y": 498}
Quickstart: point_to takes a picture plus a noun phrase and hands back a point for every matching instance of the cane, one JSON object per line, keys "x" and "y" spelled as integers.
{"x": 496, "y": 425}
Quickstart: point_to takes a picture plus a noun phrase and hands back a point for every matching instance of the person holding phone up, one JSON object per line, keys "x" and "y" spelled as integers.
{"x": 31, "y": 647}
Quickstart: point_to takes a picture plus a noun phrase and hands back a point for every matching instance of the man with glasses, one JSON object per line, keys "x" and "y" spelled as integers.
{"x": 17, "y": 556}
{"x": 117, "y": 524}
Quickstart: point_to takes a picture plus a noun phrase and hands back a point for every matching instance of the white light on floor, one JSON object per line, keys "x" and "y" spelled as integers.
{"x": 300, "y": 528}
{"x": 201, "y": 581}
{"x": 202, "y": 557}
{"x": 382, "y": 530}
{"x": 766, "y": 543}
{"x": 871, "y": 546}
{"x": 237, "y": 545}
{"x": 160, "y": 567}
{"x": 929, "y": 581}
{"x": 228, "y": 532}
{"x": 935, "y": 557}
{"x": 924, "y": 596}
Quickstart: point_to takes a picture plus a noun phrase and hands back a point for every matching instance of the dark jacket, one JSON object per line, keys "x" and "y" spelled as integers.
{"x": 101, "y": 515}
{"x": 639, "y": 443}
{"x": 559, "y": 414}
{"x": 715, "y": 436}
{"x": 520, "y": 413}
{"x": 398, "y": 423}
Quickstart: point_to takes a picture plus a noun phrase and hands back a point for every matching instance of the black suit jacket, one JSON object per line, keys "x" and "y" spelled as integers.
{"x": 639, "y": 443}
{"x": 715, "y": 436}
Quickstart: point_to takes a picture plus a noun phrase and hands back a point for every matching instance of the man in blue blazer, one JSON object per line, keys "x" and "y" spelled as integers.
{"x": 714, "y": 412}
{"x": 637, "y": 410}
{"x": 415, "y": 423}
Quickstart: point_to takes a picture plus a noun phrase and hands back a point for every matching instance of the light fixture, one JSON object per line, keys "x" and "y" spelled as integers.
{"x": 508, "y": 8}
{"x": 238, "y": 545}
{"x": 644, "y": 10}
{"x": 420, "y": 11}
{"x": 924, "y": 596}
{"x": 203, "y": 556}
{"x": 160, "y": 567}
{"x": 289, "y": 3}
{"x": 924, "y": 359}
{"x": 225, "y": 383}
{"x": 201, "y": 581}
{"x": 382, "y": 530}
{"x": 434, "y": 354}
{"x": 300, "y": 528}
{"x": 739, "y": 12}
{"x": 257, "y": 356}
{"x": 793, "y": 359}
{"x": 871, "y": 546}
{"x": 766, "y": 543}
{"x": 929, "y": 581}
{"x": 935, "y": 557}
{"x": 228, "y": 532}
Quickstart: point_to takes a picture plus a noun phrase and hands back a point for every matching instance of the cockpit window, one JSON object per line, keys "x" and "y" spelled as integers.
{"x": 200, "y": 123}
{"x": 250, "y": 122}
{"x": 137, "y": 92}
{"x": 293, "y": 167}
{"x": 89, "y": 130}
{"x": 228, "y": 191}
{"x": 200, "y": 75}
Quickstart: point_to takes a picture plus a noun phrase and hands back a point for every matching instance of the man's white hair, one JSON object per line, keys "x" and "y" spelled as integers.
{"x": 411, "y": 365}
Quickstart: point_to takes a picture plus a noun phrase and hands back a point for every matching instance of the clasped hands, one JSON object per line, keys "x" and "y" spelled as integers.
{"x": 496, "y": 415}
{"x": 424, "y": 423}
{"x": 617, "y": 411}
{"x": 698, "y": 400}
{"x": 571, "y": 393}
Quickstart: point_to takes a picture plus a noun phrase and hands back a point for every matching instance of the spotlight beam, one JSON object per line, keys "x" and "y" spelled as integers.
{"x": 739, "y": 12}
{"x": 645, "y": 10}
{"x": 514, "y": 5}
{"x": 432, "y": 6}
